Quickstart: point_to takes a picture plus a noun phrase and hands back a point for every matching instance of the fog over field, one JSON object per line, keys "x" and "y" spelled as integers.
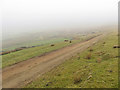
{"x": 23, "y": 17}
{"x": 59, "y": 44}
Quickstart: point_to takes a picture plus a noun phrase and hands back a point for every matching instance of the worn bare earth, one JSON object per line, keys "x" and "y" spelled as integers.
{"x": 20, "y": 74}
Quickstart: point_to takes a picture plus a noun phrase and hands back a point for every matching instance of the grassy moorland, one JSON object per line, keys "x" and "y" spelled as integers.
{"x": 25, "y": 54}
{"x": 96, "y": 67}
{"x": 33, "y": 43}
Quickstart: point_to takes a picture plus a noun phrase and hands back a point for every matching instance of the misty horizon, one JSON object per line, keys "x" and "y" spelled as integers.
{"x": 26, "y": 16}
{"x": 59, "y": 44}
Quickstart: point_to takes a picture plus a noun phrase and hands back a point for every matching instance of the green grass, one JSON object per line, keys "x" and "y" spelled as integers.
{"x": 100, "y": 71}
{"x": 25, "y": 54}
{"x": 35, "y": 43}
{"x": 15, "y": 57}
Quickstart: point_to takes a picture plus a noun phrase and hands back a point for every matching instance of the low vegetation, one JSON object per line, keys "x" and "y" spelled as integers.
{"x": 25, "y": 54}
{"x": 96, "y": 67}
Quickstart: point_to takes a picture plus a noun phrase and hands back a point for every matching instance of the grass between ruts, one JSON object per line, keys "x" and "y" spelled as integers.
{"x": 96, "y": 67}
{"x": 15, "y": 57}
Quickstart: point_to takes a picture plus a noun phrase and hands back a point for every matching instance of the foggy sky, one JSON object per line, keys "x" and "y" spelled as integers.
{"x": 20, "y": 16}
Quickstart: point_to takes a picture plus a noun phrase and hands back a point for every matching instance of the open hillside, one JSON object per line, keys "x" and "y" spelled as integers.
{"x": 96, "y": 67}
{"x": 28, "y": 53}
{"x": 10, "y": 42}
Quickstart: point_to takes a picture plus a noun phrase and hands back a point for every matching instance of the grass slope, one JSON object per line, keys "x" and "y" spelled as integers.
{"x": 15, "y": 57}
{"x": 97, "y": 68}
{"x": 33, "y": 43}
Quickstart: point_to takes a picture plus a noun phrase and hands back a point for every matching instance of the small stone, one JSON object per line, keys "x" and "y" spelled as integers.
{"x": 90, "y": 77}
{"x": 90, "y": 73}
{"x": 48, "y": 83}
{"x": 85, "y": 66}
{"x": 78, "y": 58}
{"x": 103, "y": 81}
{"x": 58, "y": 74}
{"x": 108, "y": 74}
{"x": 110, "y": 71}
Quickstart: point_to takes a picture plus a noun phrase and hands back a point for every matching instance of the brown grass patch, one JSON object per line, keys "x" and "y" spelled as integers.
{"x": 88, "y": 56}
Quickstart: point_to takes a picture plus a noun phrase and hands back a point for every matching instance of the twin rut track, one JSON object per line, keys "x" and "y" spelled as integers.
{"x": 22, "y": 73}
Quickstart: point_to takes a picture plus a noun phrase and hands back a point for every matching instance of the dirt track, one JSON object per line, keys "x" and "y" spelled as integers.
{"x": 24, "y": 72}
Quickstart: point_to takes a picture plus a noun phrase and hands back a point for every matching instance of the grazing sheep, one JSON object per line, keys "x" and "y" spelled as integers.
{"x": 70, "y": 41}
{"x": 65, "y": 40}
{"x": 52, "y": 45}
